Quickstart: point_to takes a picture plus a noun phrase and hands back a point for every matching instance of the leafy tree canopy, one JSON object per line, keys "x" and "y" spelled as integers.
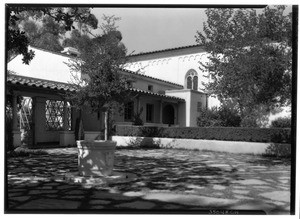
{"x": 42, "y": 27}
{"x": 249, "y": 56}
{"x": 101, "y": 86}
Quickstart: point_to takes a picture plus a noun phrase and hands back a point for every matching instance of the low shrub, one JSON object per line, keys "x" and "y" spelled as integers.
{"x": 219, "y": 117}
{"x": 209, "y": 118}
{"x": 278, "y": 150}
{"x": 274, "y": 135}
{"x": 282, "y": 122}
{"x": 150, "y": 131}
{"x": 249, "y": 121}
{"x": 229, "y": 117}
{"x": 25, "y": 152}
{"x": 137, "y": 119}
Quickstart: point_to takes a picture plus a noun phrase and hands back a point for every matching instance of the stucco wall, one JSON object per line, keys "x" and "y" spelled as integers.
{"x": 195, "y": 98}
{"x": 184, "y": 108}
{"x": 173, "y": 66}
{"x": 142, "y": 83}
{"x": 44, "y": 65}
{"x": 190, "y": 112}
{"x": 199, "y": 144}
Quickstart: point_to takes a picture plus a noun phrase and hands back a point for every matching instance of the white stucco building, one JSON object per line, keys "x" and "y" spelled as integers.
{"x": 167, "y": 85}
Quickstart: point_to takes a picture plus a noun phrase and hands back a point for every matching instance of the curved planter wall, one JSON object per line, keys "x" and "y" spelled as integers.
{"x": 95, "y": 158}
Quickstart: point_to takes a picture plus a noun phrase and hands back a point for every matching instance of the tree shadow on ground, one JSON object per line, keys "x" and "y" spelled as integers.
{"x": 271, "y": 161}
{"x": 65, "y": 197}
{"x": 32, "y": 184}
{"x": 172, "y": 174}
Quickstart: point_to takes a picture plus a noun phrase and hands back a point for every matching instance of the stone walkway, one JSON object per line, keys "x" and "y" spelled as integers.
{"x": 167, "y": 179}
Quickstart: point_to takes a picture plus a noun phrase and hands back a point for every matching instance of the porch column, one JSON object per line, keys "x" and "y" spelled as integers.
{"x": 138, "y": 104}
{"x": 65, "y": 121}
{"x": 15, "y": 129}
{"x": 66, "y": 137}
{"x": 160, "y": 111}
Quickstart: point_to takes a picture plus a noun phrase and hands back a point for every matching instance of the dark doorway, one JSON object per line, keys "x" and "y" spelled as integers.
{"x": 168, "y": 114}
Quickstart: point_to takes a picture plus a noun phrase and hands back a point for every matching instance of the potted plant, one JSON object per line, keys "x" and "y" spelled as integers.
{"x": 101, "y": 88}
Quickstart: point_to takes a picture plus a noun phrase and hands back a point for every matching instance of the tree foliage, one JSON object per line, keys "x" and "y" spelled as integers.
{"x": 215, "y": 117}
{"x": 77, "y": 40}
{"x": 249, "y": 56}
{"x": 282, "y": 122}
{"x": 24, "y": 28}
{"x": 101, "y": 86}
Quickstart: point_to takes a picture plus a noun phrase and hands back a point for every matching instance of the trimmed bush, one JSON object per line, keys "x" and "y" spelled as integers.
{"x": 282, "y": 122}
{"x": 209, "y": 118}
{"x": 25, "y": 152}
{"x": 278, "y": 150}
{"x": 217, "y": 117}
{"x": 275, "y": 135}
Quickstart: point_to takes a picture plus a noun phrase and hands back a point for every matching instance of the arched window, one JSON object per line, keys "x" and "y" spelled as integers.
{"x": 191, "y": 80}
{"x": 195, "y": 83}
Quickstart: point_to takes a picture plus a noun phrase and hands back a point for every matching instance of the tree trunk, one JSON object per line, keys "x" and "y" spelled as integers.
{"x": 106, "y": 125}
{"x": 80, "y": 130}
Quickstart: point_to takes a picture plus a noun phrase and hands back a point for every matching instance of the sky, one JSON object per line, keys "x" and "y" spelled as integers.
{"x": 149, "y": 29}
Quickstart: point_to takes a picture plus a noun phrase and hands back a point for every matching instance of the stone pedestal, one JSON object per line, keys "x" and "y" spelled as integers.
{"x": 16, "y": 138}
{"x": 92, "y": 135}
{"x": 67, "y": 138}
{"x": 95, "y": 158}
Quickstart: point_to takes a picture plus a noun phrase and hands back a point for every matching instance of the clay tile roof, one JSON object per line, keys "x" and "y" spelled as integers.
{"x": 39, "y": 83}
{"x": 155, "y": 94}
{"x": 53, "y": 85}
{"x": 163, "y": 50}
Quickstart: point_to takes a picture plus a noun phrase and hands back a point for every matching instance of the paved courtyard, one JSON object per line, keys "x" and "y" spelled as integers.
{"x": 166, "y": 180}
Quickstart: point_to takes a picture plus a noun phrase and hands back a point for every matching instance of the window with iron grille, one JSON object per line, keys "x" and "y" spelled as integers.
{"x": 128, "y": 111}
{"x": 149, "y": 112}
{"x": 55, "y": 115}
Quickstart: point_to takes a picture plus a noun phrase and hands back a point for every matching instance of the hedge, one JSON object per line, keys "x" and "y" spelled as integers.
{"x": 275, "y": 135}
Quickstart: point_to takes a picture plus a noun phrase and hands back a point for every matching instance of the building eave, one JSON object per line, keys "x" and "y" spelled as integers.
{"x": 164, "y": 50}
{"x": 139, "y": 91}
{"x": 13, "y": 79}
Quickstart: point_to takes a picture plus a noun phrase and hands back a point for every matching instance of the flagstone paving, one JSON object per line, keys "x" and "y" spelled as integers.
{"x": 166, "y": 179}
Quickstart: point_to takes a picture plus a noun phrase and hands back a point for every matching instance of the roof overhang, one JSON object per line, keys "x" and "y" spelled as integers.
{"x": 23, "y": 82}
